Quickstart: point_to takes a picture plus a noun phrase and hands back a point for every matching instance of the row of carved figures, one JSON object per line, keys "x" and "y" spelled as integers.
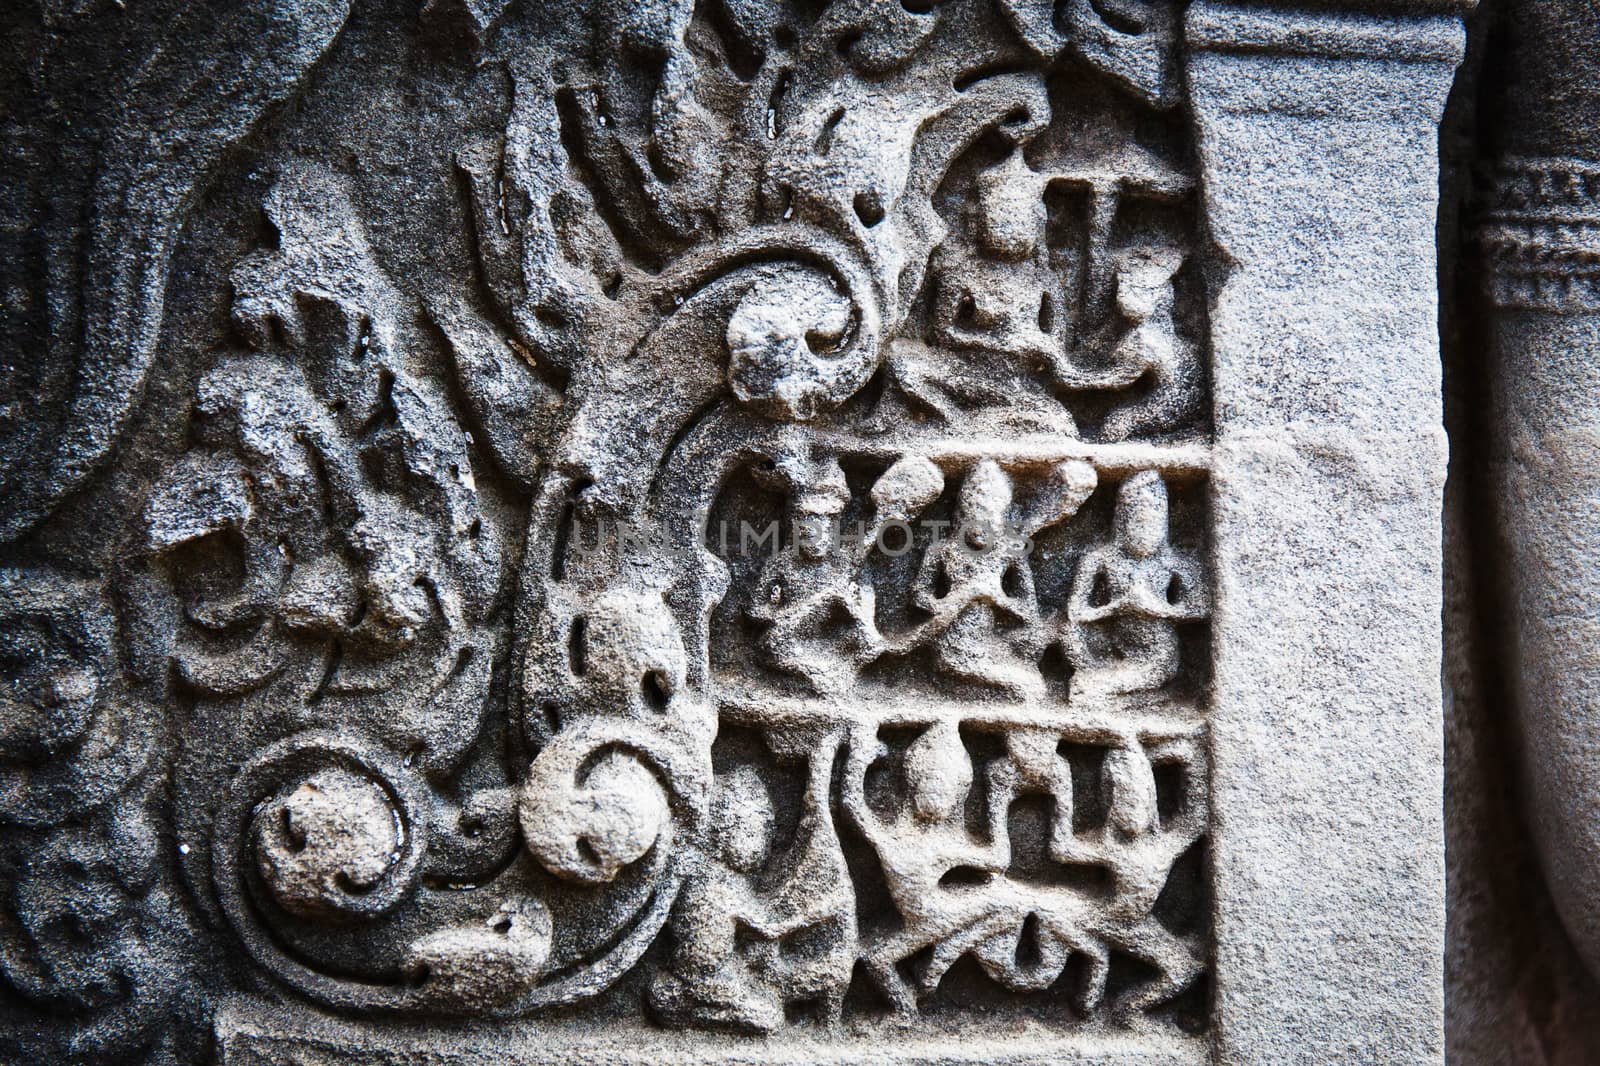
{"x": 746, "y": 945}
{"x": 975, "y": 589}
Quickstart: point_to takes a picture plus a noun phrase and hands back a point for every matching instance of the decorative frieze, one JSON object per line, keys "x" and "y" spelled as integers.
{"x": 691, "y": 531}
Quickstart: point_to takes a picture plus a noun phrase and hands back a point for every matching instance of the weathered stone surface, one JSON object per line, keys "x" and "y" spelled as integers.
{"x": 723, "y": 531}
{"x": 1329, "y": 481}
{"x": 1523, "y": 716}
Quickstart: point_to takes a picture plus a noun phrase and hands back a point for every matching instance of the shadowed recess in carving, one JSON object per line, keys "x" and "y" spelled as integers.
{"x": 690, "y": 514}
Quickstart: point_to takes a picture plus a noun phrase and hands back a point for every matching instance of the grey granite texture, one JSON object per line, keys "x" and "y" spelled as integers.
{"x": 764, "y": 531}
{"x": 1328, "y": 540}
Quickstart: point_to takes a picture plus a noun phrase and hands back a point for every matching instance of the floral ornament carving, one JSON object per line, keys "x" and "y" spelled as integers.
{"x": 72, "y": 737}
{"x": 816, "y": 268}
{"x": 326, "y": 540}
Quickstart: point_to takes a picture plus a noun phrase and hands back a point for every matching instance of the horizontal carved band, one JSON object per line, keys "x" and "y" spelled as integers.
{"x": 1222, "y": 27}
{"x": 1540, "y": 235}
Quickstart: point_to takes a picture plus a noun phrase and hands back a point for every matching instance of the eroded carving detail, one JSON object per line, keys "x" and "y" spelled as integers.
{"x": 1541, "y": 235}
{"x": 1019, "y": 732}
{"x": 842, "y": 401}
{"x": 89, "y": 925}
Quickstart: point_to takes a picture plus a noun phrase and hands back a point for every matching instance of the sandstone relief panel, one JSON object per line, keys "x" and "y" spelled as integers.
{"x": 690, "y": 517}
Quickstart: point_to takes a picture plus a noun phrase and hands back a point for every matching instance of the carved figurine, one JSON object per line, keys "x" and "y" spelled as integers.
{"x": 978, "y": 585}
{"x": 1129, "y": 595}
{"x": 998, "y": 292}
{"x": 956, "y": 894}
{"x": 1033, "y": 764}
{"x": 710, "y": 983}
{"x": 920, "y": 847}
{"x": 998, "y": 315}
{"x": 1132, "y": 844}
{"x": 819, "y": 613}
{"x": 819, "y": 616}
{"x": 1151, "y": 348}
{"x": 727, "y": 970}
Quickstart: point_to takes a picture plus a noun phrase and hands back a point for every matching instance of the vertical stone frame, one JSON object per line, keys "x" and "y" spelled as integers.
{"x": 1318, "y": 148}
{"x": 1538, "y": 250}
{"x": 1538, "y": 241}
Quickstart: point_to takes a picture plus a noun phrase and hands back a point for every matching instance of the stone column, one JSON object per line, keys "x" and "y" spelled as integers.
{"x": 1318, "y": 154}
{"x": 1541, "y": 244}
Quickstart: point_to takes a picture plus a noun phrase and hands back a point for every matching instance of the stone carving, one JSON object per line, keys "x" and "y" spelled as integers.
{"x": 74, "y": 738}
{"x": 325, "y": 540}
{"x": 691, "y": 515}
{"x": 1521, "y": 330}
{"x": 128, "y": 159}
{"x": 744, "y": 950}
{"x": 1134, "y": 43}
{"x": 88, "y": 925}
{"x": 324, "y": 846}
{"x": 813, "y": 589}
{"x": 484, "y": 963}
{"x": 1540, "y": 235}
{"x": 978, "y": 583}
{"x": 1540, "y": 251}
{"x": 958, "y": 892}
{"x": 1129, "y": 595}
{"x": 621, "y": 529}
{"x": 1151, "y": 347}
{"x": 1037, "y": 905}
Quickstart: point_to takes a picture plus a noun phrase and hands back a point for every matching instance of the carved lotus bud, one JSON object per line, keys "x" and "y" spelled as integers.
{"x": 1130, "y": 786}
{"x": 789, "y": 350}
{"x": 588, "y": 827}
{"x": 325, "y": 844}
{"x": 938, "y": 773}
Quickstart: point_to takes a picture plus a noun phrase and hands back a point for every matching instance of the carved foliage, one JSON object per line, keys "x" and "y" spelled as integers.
{"x": 325, "y": 541}
{"x": 88, "y": 925}
{"x": 851, "y": 272}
